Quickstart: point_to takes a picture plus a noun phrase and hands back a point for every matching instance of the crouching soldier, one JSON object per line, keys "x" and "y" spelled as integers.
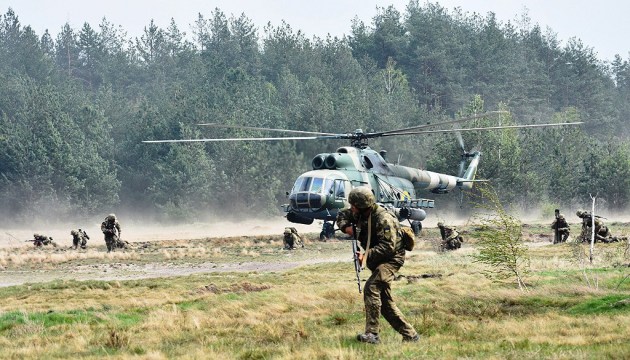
{"x": 561, "y": 228}
{"x": 451, "y": 240}
{"x": 292, "y": 238}
{"x": 111, "y": 229}
{"x": 79, "y": 237}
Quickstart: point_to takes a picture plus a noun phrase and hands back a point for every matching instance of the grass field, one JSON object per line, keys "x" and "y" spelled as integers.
{"x": 246, "y": 298}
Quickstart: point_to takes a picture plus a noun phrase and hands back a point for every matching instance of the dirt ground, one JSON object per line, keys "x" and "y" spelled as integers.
{"x": 162, "y": 251}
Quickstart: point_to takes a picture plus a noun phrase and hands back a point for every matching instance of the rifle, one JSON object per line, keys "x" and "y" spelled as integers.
{"x": 556, "y": 238}
{"x": 355, "y": 250}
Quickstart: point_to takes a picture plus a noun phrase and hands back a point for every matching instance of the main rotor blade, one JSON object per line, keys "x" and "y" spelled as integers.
{"x": 243, "y": 139}
{"x": 263, "y": 129}
{"x": 484, "y": 128}
{"x": 468, "y": 118}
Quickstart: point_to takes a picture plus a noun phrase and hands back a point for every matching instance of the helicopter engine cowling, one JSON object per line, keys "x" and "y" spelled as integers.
{"x": 319, "y": 161}
{"x": 339, "y": 161}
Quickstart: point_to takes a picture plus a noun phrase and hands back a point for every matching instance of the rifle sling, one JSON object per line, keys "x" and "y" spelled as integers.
{"x": 367, "y": 247}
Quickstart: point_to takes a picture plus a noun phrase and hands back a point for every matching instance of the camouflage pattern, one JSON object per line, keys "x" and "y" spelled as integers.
{"x": 41, "y": 240}
{"x": 587, "y": 222}
{"x": 79, "y": 238}
{"x": 361, "y": 197}
{"x": 291, "y": 238}
{"x": 451, "y": 240}
{"x": 112, "y": 230}
{"x": 384, "y": 258}
{"x": 560, "y": 224}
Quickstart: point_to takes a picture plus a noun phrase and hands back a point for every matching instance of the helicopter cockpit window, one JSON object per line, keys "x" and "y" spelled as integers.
{"x": 317, "y": 185}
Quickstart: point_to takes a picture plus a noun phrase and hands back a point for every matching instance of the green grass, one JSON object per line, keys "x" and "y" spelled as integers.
{"x": 315, "y": 311}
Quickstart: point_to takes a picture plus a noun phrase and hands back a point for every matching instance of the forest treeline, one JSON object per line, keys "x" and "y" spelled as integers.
{"x": 75, "y": 108}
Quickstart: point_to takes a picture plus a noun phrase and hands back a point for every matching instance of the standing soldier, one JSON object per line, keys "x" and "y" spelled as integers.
{"x": 378, "y": 233}
{"x": 111, "y": 229}
{"x": 561, "y": 229}
{"x": 451, "y": 240}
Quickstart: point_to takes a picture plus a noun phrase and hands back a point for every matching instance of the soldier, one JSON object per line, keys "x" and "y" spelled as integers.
{"x": 111, "y": 229}
{"x": 40, "y": 240}
{"x": 84, "y": 238}
{"x": 378, "y": 234}
{"x": 451, "y": 240}
{"x": 291, "y": 238}
{"x": 560, "y": 226}
{"x": 587, "y": 222}
{"x": 79, "y": 237}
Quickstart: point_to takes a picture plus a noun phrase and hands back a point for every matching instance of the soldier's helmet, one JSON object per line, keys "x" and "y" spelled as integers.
{"x": 111, "y": 217}
{"x": 287, "y": 231}
{"x": 36, "y": 235}
{"x": 579, "y": 213}
{"x": 440, "y": 224}
{"x": 74, "y": 232}
{"x": 361, "y": 197}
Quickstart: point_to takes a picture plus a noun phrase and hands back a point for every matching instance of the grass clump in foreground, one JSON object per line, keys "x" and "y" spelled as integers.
{"x": 315, "y": 311}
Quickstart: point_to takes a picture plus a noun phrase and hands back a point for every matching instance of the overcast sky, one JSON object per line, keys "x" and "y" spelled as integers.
{"x": 602, "y": 25}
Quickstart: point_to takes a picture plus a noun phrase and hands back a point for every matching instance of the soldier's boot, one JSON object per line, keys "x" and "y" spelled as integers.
{"x": 414, "y": 338}
{"x": 369, "y": 338}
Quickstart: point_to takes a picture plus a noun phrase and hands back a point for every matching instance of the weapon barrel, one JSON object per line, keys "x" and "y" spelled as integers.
{"x": 357, "y": 264}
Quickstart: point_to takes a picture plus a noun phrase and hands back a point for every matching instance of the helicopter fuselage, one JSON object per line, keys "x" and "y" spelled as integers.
{"x": 320, "y": 193}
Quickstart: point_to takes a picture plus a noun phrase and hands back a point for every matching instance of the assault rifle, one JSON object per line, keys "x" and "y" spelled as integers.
{"x": 556, "y": 233}
{"x": 355, "y": 250}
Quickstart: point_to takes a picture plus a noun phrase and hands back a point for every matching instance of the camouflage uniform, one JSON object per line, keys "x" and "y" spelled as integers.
{"x": 291, "y": 238}
{"x": 587, "y": 221}
{"x": 560, "y": 224}
{"x": 450, "y": 238}
{"x": 79, "y": 237}
{"x": 40, "y": 240}
{"x": 111, "y": 229}
{"x": 385, "y": 256}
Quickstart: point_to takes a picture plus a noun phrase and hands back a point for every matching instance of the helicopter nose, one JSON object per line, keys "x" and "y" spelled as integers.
{"x": 306, "y": 201}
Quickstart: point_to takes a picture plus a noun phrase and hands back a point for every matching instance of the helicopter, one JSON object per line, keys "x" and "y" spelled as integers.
{"x": 319, "y": 194}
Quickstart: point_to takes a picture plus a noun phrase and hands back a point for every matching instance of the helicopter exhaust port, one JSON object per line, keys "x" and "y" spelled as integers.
{"x": 319, "y": 161}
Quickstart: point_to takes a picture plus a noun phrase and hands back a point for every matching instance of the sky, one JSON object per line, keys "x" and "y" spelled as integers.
{"x": 601, "y": 25}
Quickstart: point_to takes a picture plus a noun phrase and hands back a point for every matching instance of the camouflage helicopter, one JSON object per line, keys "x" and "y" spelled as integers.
{"x": 320, "y": 193}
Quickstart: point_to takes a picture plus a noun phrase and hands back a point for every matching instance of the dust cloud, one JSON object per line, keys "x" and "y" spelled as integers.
{"x": 133, "y": 231}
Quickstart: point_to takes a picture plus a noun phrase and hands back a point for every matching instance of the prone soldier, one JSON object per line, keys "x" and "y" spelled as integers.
{"x": 40, "y": 240}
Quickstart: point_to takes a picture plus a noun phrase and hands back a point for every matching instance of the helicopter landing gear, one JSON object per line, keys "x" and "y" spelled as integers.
{"x": 328, "y": 231}
{"x": 416, "y": 226}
